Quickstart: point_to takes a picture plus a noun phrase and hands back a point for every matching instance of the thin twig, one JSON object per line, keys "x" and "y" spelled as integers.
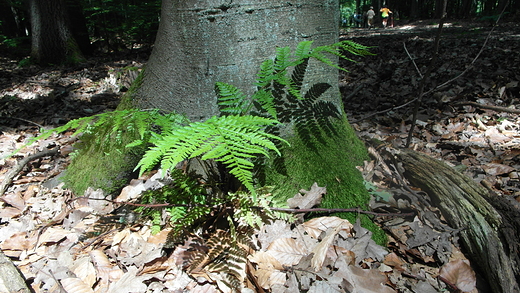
{"x": 25, "y": 120}
{"x": 16, "y": 169}
{"x": 287, "y": 210}
{"x": 384, "y": 111}
{"x": 353, "y": 210}
{"x": 413, "y": 61}
{"x": 490, "y": 107}
{"x": 427, "y": 74}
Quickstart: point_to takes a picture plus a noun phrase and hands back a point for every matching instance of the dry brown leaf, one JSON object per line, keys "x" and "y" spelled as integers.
{"x": 129, "y": 282}
{"x": 268, "y": 269}
{"x": 85, "y": 271}
{"x": 121, "y": 236}
{"x": 31, "y": 191}
{"x": 159, "y": 238}
{"x": 19, "y": 241}
{"x": 207, "y": 288}
{"x": 10, "y": 212}
{"x": 287, "y": 251}
{"x": 316, "y": 226}
{"x": 309, "y": 198}
{"x": 76, "y": 285}
{"x": 320, "y": 250}
{"x": 369, "y": 281}
{"x": 495, "y": 136}
{"x": 394, "y": 261}
{"x": 459, "y": 273}
{"x": 15, "y": 200}
{"x": 52, "y": 234}
{"x": 495, "y": 169}
{"x": 105, "y": 271}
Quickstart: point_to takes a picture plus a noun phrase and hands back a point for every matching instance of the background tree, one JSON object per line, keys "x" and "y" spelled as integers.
{"x": 53, "y": 41}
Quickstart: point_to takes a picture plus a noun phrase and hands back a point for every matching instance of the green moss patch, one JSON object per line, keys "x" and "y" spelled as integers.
{"x": 331, "y": 163}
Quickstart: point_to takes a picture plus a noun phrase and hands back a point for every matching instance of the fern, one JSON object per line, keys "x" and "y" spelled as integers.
{"x": 231, "y": 100}
{"x": 119, "y": 121}
{"x": 232, "y": 140}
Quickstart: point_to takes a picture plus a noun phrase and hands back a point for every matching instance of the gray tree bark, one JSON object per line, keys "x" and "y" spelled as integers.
{"x": 52, "y": 40}
{"x": 201, "y": 42}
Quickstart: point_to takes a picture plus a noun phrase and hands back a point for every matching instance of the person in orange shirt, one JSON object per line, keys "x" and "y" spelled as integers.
{"x": 385, "y": 13}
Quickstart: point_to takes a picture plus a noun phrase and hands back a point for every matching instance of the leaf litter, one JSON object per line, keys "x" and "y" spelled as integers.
{"x": 60, "y": 242}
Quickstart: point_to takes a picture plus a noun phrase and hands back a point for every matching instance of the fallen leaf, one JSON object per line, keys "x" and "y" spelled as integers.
{"x": 76, "y": 285}
{"x": 316, "y": 226}
{"x": 309, "y": 198}
{"x": 495, "y": 169}
{"x": 287, "y": 251}
{"x": 459, "y": 273}
{"x": 53, "y": 234}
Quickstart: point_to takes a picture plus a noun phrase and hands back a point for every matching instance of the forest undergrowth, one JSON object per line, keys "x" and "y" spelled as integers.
{"x": 60, "y": 241}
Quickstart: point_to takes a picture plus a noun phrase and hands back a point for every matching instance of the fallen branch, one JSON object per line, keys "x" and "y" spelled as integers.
{"x": 354, "y": 210}
{"x": 10, "y": 277}
{"x": 287, "y": 210}
{"x": 488, "y": 238}
{"x": 490, "y": 107}
{"x": 8, "y": 179}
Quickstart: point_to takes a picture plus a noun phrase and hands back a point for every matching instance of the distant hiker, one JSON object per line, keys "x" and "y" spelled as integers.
{"x": 356, "y": 20}
{"x": 370, "y": 17}
{"x": 385, "y": 13}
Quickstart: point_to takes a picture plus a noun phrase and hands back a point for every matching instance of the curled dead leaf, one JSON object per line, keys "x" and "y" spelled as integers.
{"x": 459, "y": 273}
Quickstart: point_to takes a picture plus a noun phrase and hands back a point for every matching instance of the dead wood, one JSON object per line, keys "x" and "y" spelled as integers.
{"x": 10, "y": 278}
{"x": 16, "y": 169}
{"x": 490, "y": 107}
{"x": 486, "y": 234}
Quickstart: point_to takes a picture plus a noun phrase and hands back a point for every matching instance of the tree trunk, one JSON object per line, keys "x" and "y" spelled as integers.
{"x": 52, "y": 40}
{"x": 78, "y": 26}
{"x": 203, "y": 42}
{"x": 489, "y": 237}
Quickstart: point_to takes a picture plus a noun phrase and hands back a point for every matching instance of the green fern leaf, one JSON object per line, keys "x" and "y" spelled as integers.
{"x": 283, "y": 59}
{"x": 231, "y": 100}
{"x": 303, "y": 50}
{"x": 265, "y": 100}
{"x": 232, "y": 140}
{"x": 265, "y": 75}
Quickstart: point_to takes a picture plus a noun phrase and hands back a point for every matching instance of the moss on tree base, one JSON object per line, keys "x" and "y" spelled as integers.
{"x": 102, "y": 160}
{"x": 98, "y": 164}
{"x": 331, "y": 163}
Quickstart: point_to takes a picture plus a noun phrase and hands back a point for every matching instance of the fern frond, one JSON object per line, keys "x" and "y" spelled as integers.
{"x": 231, "y": 100}
{"x": 337, "y": 50}
{"x": 298, "y": 74}
{"x": 303, "y": 50}
{"x": 265, "y": 74}
{"x": 283, "y": 59}
{"x": 232, "y": 140}
{"x": 266, "y": 102}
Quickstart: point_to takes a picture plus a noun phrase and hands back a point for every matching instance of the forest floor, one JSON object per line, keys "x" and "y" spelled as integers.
{"x": 58, "y": 245}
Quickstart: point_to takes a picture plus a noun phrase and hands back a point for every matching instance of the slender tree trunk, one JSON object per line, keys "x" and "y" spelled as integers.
{"x": 52, "y": 40}
{"x": 414, "y": 9}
